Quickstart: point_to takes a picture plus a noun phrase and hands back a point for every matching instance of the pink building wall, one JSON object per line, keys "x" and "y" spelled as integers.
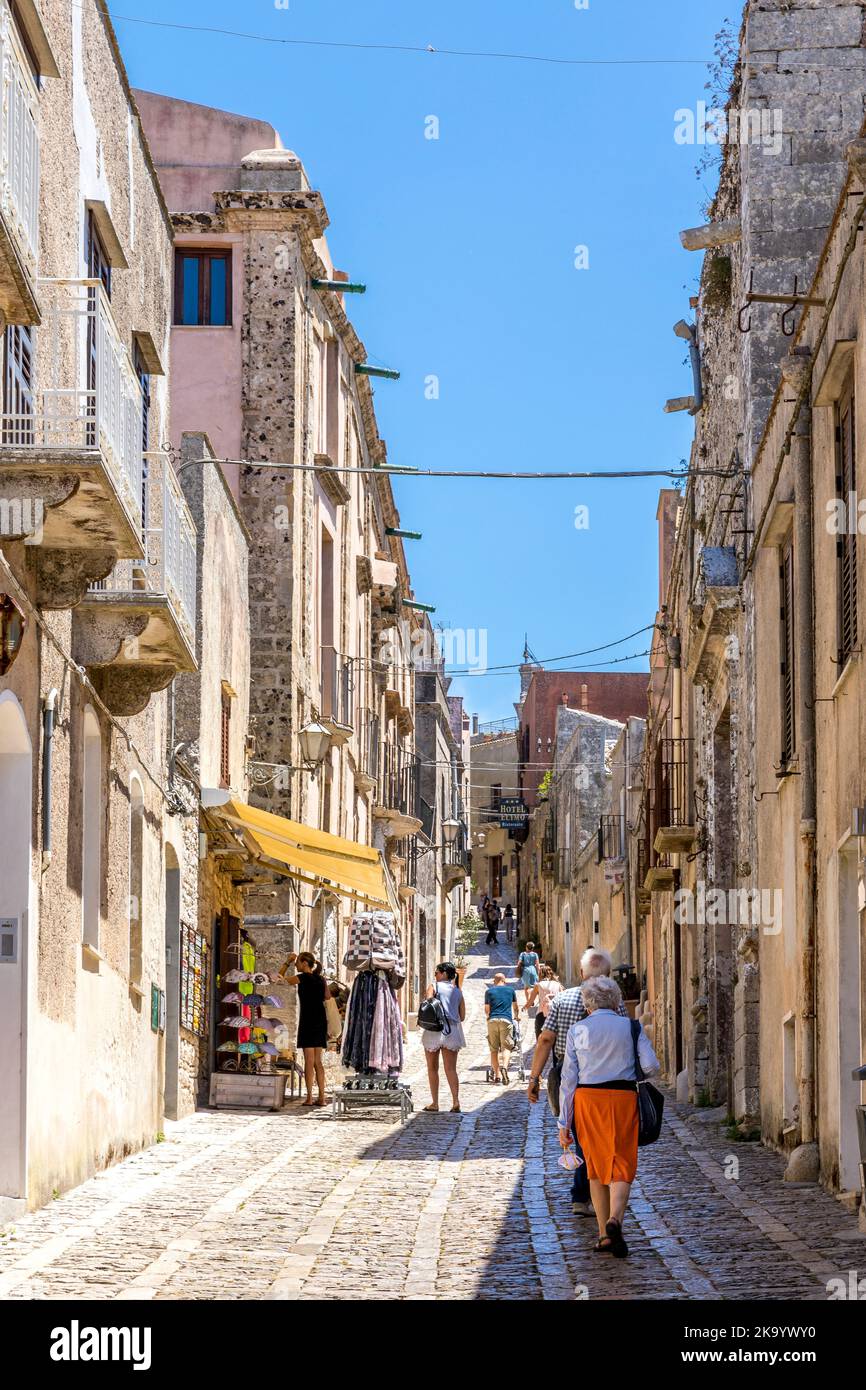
{"x": 198, "y": 151}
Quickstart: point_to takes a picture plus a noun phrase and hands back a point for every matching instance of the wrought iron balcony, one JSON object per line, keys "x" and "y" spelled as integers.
{"x": 136, "y": 628}
{"x": 659, "y": 875}
{"x": 337, "y": 707}
{"x": 19, "y": 175}
{"x": 562, "y": 864}
{"x": 456, "y": 856}
{"x": 399, "y": 799}
{"x": 609, "y": 846}
{"x": 675, "y": 830}
{"x": 71, "y": 432}
{"x": 367, "y": 750}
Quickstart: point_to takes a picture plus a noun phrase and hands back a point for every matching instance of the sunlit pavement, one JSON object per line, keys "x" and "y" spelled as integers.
{"x": 468, "y": 1206}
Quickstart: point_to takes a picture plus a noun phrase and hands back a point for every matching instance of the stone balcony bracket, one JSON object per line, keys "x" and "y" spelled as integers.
{"x": 747, "y": 946}
{"x": 127, "y": 690}
{"x": 396, "y": 826}
{"x": 63, "y": 577}
{"x": 675, "y": 839}
{"x": 796, "y": 369}
{"x": 708, "y": 633}
{"x": 855, "y": 153}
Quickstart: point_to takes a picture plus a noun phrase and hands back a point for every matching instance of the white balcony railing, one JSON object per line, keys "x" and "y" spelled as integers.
{"x": 19, "y": 142}
{"x": 179, "y": 550}
{"x": 170, "y": 552}
{"x": 85, "y": 394}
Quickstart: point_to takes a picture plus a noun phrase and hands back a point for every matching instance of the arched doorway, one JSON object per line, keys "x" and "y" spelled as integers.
{"x": 172, "y": 983}
{"x": 16, "y": 772}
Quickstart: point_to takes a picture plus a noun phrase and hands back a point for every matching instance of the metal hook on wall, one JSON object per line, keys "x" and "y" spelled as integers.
{"x": 784, "y": 319}
{"x": 746, "y": 309}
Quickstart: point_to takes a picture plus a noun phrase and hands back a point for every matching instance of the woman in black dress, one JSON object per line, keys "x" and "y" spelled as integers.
{"x": 312, "y": 1019}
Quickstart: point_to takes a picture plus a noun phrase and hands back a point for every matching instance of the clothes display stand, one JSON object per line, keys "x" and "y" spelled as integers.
{"x": 373, "y": 1032}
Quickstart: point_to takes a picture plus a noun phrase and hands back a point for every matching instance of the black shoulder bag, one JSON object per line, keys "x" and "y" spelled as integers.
{"x": 432, "y": 1017}
{"x": 650, "y": 1101}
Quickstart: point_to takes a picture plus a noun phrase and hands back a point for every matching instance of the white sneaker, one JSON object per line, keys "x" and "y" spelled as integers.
{"x": 582, "y": 1209}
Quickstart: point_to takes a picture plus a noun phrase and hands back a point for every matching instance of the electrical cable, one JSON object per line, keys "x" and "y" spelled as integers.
{"x": 429, "y": 49}
{"x": 395, "y": 471}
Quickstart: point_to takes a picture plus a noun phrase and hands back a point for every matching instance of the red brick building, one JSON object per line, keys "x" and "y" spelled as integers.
{"x": 616, "y": 695}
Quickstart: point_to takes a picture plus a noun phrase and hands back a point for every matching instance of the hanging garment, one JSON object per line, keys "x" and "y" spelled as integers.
{"x": 386, "y": 1034}
{"x": 359, "y": 1021}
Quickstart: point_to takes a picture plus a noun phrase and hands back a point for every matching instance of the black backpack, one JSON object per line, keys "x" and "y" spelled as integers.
{"x": 432, "y": 1016}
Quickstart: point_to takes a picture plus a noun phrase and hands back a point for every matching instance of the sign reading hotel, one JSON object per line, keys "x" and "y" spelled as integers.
{"x": 512, "y": 813}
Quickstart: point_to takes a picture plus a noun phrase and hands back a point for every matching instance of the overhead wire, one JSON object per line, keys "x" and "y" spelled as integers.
{"x": 428, "y": 49}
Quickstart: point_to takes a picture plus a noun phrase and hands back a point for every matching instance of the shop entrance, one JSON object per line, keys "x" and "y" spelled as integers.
{"x": 172, "y": 983}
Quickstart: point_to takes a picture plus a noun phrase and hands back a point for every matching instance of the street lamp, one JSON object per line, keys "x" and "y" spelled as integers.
{"x": 315, "y": 744}
{"x": 450, "y": 828}
{"x": 12, "y": 627}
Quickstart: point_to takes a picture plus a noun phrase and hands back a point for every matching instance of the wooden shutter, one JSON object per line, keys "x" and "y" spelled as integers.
{"x": 225, "y": 740}
{"x": 846, "y": 544}
{"x": 786, "y": 617}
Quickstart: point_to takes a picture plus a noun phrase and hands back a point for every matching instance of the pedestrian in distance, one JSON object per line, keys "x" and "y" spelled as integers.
{"x": 508, "y": 919}
{"x": 598, "y": 1099}
{"x": 500, "y": 1007}
{"x": 564, "y": 1009}
{"x": 312, "y": 1018}
{"x": 543, "y": 995}
{"x": 493, "y": 919}
{"x": 448, "y": 1043}
{"x": 527, "y": 969}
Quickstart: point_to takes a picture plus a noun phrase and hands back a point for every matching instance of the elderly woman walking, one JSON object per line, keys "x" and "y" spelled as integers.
{"x": 598, "y": 1097}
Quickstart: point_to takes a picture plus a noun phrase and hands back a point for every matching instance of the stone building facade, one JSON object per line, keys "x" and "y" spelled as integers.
{"x": 442, "y": 865}
{"x": 748, "y": 796}
{"x": 97, "y": 587}
{"x": 494, "y": 848}
{"x": 263, "y": 348}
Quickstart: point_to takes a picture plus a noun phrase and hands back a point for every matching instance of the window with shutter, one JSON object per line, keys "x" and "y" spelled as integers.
{"x": 846, "y": 544}
{"x": 203, "y": 288}
{"x": 786, "y": 616}
{"x": 18, "y": 386}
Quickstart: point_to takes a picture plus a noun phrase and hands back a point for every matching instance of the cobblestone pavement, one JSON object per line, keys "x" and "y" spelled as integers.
{"x": 298, "y": 1205}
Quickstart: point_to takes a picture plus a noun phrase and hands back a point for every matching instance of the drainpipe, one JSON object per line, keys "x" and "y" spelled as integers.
{"x": 49, "y": 706}
{"x": 675, "y": 655}
{"x": 624, "y": 851}
{"x": 804, "y": 1162}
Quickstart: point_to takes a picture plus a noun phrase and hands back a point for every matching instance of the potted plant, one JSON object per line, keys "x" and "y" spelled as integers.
{"x": 467, "y": 935}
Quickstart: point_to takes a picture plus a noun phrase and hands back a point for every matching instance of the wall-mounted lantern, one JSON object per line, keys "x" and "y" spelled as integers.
{"x": 13, "y": 625}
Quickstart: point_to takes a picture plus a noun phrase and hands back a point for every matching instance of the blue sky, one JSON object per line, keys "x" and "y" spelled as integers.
{"x": 467, "y": 246}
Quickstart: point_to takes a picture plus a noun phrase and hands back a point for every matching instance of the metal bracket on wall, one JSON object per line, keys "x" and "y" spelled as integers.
{"x": 792, "y": 302}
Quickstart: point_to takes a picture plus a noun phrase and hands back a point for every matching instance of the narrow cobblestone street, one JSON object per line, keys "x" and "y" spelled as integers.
{"x": 471, "y": 1206}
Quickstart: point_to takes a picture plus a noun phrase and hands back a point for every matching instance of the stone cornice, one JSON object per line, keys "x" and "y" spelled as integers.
{"x": 300, "y": 208}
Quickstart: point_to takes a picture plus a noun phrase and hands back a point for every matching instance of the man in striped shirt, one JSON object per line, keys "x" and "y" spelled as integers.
{"x": 565, "y": 1009}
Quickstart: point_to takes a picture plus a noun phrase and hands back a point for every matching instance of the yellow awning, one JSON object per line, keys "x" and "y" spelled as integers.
{"x": 311, "y": 856}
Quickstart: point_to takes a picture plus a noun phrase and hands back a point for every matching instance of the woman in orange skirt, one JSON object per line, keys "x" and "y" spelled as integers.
{"x": 598, "y": 1101}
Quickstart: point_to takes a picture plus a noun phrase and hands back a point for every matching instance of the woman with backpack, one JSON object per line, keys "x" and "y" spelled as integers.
{"x": 441, "y": 1021}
